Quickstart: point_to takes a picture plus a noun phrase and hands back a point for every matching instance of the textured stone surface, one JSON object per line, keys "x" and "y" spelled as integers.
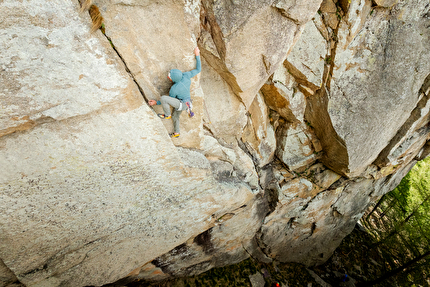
{"x": 409, "y": 138}
{"x": 302, "y": 120}
{"x": 295, "y": 147}
{"x": 131, "y": 26}
{"x": 54, "y": 77}
{"x": 386, "y": 3}
{"x": 7, "y": 278}
{"x": 217, "y": 246}
{"x": 375, "y": 55}
{"x": 77, "y": 188}
{"x": 310, "y": 62}
{"x": 83, "y": 189}
{"x": 259, "y": 136}
{"x": 301, "y": 230}
{"x": 223, "y": 111}
{"x": 300, "y": 11}
{"x": 268, "y": 36}
{"x": 257, "y": 280}
{"x": 331, "y": 13}
{"x": 287, "y": 101}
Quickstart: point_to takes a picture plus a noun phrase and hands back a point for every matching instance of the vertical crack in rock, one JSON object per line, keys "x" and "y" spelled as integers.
{"x": 210, "y": 24}
{"x": 271, "y": 194}
{"x": 245, "y": 147}
{"x": 270, "y": 198}
{"x": 259, "y": 241}
{"x": 84, "y": 4}
{"x": 219, "y": 66}
{"x": 212, "y": 47}
{"x": 330, "y": 59}
{"x": 313, "y": 227}
{"x": 256, "y": 252}
{"x": 344, "y": 4}
{"x": 126, "y": 67}
{"x": 335, "y": 154}
{"x": 382, "y": 159}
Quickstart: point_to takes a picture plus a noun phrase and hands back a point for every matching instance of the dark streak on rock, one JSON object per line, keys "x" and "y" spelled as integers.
{"x": 204, "y": 240}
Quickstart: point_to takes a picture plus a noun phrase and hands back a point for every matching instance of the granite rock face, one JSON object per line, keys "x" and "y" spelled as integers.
{"x": 306, "y": 112}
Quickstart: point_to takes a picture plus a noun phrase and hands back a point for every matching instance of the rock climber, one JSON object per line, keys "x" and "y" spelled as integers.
{"x": 179, "y": 95}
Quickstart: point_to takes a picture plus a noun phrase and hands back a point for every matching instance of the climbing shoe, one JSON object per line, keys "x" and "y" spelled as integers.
{"x": 189, "y": 111}
{"x": 163, "y": 116}
{"x": 174, "y": 135}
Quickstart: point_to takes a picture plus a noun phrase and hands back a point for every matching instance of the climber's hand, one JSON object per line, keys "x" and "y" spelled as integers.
{"x": 197, "y": 51}
{"x": 152, "y": 102}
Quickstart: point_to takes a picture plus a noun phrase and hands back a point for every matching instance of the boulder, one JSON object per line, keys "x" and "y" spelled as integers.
{"x": 257, "y": 280}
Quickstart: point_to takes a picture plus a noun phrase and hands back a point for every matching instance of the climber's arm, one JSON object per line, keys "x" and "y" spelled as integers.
{"x": 198, "y": 69}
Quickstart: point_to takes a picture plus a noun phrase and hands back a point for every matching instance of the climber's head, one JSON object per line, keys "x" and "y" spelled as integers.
{"x": 175, "y": 75}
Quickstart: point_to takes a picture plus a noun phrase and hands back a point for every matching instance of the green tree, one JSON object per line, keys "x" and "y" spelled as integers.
{"x": 401, "y": 228}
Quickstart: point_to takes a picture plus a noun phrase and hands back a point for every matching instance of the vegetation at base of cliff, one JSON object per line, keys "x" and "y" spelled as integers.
{"x": 355, "y": 258}
{"x": 400, "y": 227}
{"x": 290, "y": 274}
{"x": 392, "y": 250}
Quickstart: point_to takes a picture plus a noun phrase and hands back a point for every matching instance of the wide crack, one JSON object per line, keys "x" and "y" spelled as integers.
{"x": 335, "y": 154}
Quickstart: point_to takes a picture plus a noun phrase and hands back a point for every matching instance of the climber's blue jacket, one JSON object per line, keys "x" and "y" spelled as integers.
{"x": 182, "y": 82}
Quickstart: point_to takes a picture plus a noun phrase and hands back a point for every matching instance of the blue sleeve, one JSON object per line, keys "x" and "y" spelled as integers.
{"x": 158, "y": 103}
{"x": 197, "y": 70}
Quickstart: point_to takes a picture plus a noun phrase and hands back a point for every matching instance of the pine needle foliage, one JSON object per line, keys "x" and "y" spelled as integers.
{"x": 400, "y": 225}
